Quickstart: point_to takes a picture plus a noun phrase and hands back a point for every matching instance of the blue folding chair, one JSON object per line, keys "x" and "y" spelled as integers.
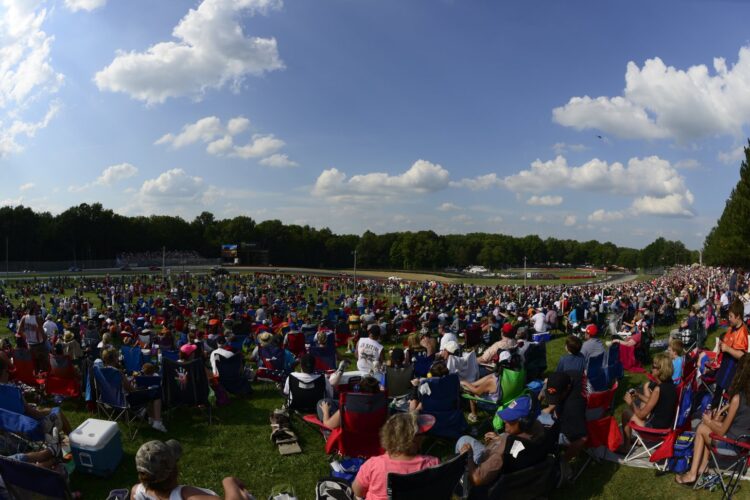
{"x": 238, "y": 342}
{"x": 173, "y": 355}
{"x": 422, "y": 364}
{"x": 615, "y": 369}
{"x": 444, "y": 403}
{"x": 232, "y": 375}
{"x": 596, "y": 373}
{"x": 325, "y": 357}
{"x": 132, "y": 358}
{"x": 12, "y": 417}
{"x": 24, "y": 481}
{"x": 112, "y": 400}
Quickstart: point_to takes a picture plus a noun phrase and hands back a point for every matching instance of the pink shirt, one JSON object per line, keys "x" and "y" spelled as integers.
{"x": 373, "y": 475}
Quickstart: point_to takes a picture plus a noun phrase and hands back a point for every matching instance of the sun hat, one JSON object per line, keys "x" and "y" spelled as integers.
{"x": 158, "y": 459}
{"x": 68, "y": 336}
{"x": 265, "y": 338}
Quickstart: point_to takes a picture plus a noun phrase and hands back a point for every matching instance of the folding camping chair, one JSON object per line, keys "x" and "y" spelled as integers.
{"x": 473, "y": 335}
{"x": 422, "y": 364}
{"x": 443, "y": 401}
{"x": 23, "y": 368}
{"x": 13, "y": 419}
{"x": 435, "y": 483}
{"x": 614, "y": 370}
{"x": 304, "y": 396}
{"x": 232, "y": 375}
{"x": 272, "y": 365}
{"x": 325, "y": 357}
{"x": 596, "y": 374}
{"x": 535, "y": 360}
{"x": 295, "y": 343}
{"x": 362, "y": 416}
{"x": 27, "y": 481}
{"x": 398, "y": 380}
{"x": 652, "y": 440}
{"x": 732, "y": 460}
{"x": 62, "y": 379}
{"x": 185, "y": 384}
{"x": 602, "y": 429}
{"x": 132, "y": 358}
{"x": 512, "y": 384}
{"x": 536, "y": 481}
{"x": 112, "y": 400}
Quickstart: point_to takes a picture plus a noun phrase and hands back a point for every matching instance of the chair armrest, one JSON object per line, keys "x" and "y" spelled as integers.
{"x": 733, "y": 442}
{"x": 649, "y": 430}
{"x": 313, "y": 419}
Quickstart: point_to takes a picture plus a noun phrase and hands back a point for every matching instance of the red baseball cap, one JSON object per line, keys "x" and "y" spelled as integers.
{"x": 507, "y": 328}
{"x": 592, "y": 330}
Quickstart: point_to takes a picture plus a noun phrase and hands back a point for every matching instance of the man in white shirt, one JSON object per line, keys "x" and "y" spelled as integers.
{"x": 539, "y": 321}
{"x": 446, "y": 335}
{"x": 224, "y": 350}
{"x": 369, "y": 350}
{"x": 50, "y": 328}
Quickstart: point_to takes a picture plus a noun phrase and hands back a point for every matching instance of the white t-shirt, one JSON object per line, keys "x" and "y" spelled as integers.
{"x": 368, "y": 352}
{"x": 539, "y": 323}
{"x": 447, "y": 337}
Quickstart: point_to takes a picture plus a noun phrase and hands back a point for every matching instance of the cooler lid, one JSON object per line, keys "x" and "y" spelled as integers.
{"x": 93, "y": 433}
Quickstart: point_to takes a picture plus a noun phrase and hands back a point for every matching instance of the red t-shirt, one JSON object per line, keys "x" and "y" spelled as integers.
{"x": 373, "y": 475}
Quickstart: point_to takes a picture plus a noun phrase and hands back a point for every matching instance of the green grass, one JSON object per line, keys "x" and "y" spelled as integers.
{"x": 238, "y": 444}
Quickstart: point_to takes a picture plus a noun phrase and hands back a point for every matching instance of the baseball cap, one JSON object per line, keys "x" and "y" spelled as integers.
{"x": 504, "y": 356}
{"x": 516, "y": 409}
{"x": 507, "y": 328}
{"x": 592, "y": 330}
{"x": 158, "y": 459}
{"x": 557, "y": 385}
{"x": 451, "y": 346}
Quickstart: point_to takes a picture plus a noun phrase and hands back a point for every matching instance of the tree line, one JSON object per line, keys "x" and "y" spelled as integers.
{"x": 90, "y": 232}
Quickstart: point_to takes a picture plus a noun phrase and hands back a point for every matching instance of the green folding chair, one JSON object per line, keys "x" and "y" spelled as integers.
{"x": 513, "y": 384}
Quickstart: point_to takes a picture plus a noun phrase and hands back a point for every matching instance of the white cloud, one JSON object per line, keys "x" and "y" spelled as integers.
{"x": 561, "y": 148}
{"x": 26, "y": 187}
{"x": 602, "y": 215}
{"x": 495, "y": 220}
{"x": 570, "y": 220}
{"x": 661, "y": 101}
{"x": 210, "y": 50}
{"x": 545, "y": 201}
{"x": 534, "y": 218}
{"x": 651, "y": 177}
{"x": 174, "y": 183}
{"x": 11, "y": 202}
{"x": 462, "y": 219}
{"x": 219, "y": 140}
{"x": 109, "y": 176}
{"x": 26, "y": 73}
{"x": 448, "y": 207}
{"x": 87, "y": 5}
{"x": 278, "y": 161}
{"x": 479, "y": 183}
{"x": 687, "y": 164}
{"x": 422, "y": 177}
{"x": 734, "y": 156}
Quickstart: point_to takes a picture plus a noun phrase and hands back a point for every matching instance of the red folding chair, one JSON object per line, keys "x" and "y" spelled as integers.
{"x": 658, "y": 444}
{"x": 62, "y": 379}
{"x": 362, "y": 416}
{"x": 602, "y": 429}
{"x": 295, "y": 342}
{"x": 731, "y": 459}
{"x": 23, "y": 368}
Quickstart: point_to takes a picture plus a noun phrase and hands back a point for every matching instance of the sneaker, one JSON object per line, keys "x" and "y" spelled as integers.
{"x": 159, "y": 426}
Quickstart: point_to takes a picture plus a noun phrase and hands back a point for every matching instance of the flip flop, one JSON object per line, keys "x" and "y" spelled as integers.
{"x": 687, "y": 484}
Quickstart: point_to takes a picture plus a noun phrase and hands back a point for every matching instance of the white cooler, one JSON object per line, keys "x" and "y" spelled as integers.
{"x": 96, "y": 447}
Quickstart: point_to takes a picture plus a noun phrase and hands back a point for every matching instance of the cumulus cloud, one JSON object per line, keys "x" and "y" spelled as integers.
{"x": 422, "y": 177}
{"x": 479, "y": 183}
{"x": 219, "y": 140}
{"x": 545, "y": 201}
{"x": 210, "y": 50}
{"x": 661, "y": 101}
{"x": 109, "y": 176}
{"x": 448, "y": 207}
{"x": 570, "y": 220}
{"x": 175, "y": 184}
{"x": 734, "y": 156}
{"x": 278, "y": 161}
{"x": 26, "y": 73}
{"x": 26, "y": 187}
{"x": 651, "y": 178}
{"x": 602, "y": 215}
{"x": 87, "y": 5}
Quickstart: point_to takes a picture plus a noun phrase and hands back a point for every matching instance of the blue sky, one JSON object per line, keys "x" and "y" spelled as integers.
{"x": 585, "y": 120}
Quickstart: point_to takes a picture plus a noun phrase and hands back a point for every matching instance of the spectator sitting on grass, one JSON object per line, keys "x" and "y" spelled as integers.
{"x": 156, "y": 463}
{"x": 401, "y": 437}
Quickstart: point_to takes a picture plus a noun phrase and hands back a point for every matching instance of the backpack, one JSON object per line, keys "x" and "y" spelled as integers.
{"x": 333, "y": 489}
{"x": 679, "y": 463}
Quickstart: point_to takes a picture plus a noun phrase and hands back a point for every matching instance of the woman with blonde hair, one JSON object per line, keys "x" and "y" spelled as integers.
{"x": 401, "y": 437}
{"x": 657, "y": 408}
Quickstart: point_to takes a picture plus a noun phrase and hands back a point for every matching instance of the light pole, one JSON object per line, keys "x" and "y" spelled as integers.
{"x": 524, "y": 270}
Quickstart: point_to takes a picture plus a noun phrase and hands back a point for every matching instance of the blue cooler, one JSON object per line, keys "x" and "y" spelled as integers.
{"x": 542, "y": 337}
{"x": 96, "y": 447}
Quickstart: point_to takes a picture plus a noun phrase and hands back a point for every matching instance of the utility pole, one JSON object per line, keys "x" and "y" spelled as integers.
{"x": 524, "y": 270}
{"x": 6, "y": 257}
{"x": 164, "y": 262}
{"x": 700, "y": 257}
